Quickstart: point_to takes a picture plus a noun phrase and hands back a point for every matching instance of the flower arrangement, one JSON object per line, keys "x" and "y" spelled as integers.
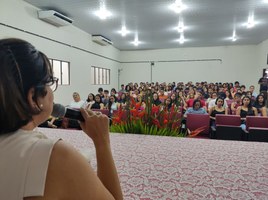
{"x": 153, "y": 120}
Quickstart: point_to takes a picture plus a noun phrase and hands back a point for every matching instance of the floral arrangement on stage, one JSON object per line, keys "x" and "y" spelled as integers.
{"x": 153, "y": 120}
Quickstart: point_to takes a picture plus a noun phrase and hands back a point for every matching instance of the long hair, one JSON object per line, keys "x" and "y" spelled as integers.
{"x": 22, "y": 68}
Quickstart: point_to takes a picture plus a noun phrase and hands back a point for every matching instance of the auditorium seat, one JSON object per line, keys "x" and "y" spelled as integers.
{"x": 228, "y": 128}
{"x": 103, "y": 111}
{"x": 257, "y": 128}
{"x": 195, "y": 121}
{"x": 256, "y": 121}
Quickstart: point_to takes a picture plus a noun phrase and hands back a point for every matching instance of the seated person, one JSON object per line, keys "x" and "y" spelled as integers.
{"x": 196, "y": 109}
{"x": 112, "y": 105}
{"x": 156, "y": 101}
{"x": 212, "y": 102}
{"x": 199, "y": 96}
{"x": 162, "y": 96}
{"x": 77, "y": 103}
{"x": 167, "y": 104}
{"x": 246, "y": 109}
{"x": 217, "y": 109}
{"x": 260, "y": 105}
{"x": 97, "y": 104}
{"x": 105, "y": 99}
{"x": 90, "y": 100}
{"x": 141, "y": 101}
{"x": 236, "y": 102}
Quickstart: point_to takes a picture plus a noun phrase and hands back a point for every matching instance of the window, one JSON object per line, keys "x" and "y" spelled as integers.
{"x": 61, "y": 70}
{"x": 100, "y": 76}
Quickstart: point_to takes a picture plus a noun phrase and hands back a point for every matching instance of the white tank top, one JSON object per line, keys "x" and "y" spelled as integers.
{"x": 24, "y": 158}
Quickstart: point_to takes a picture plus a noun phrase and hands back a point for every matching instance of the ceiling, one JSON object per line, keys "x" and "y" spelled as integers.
{"x": 207, "y": 22}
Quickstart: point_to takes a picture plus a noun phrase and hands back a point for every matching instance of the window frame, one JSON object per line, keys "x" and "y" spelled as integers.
{"x": 105, "y": 74}
{"x": 61, "y": 71}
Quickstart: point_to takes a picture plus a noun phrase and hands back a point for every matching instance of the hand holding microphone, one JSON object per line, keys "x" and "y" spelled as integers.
{"x": 94, "y": 124}
{"x": 61, "y": 111}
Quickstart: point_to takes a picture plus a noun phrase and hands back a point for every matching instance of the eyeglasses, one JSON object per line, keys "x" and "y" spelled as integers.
{"x": 53, "y": 83}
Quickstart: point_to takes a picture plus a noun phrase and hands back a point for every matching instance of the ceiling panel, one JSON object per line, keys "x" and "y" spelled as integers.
{"x": 209, "y": 22}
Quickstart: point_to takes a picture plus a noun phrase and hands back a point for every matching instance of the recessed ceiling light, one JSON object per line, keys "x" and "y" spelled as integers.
{"x": 136, "y": 41}
{"x": 124, "y": 31}
{"x": 103, "y": 13}
{"x": 178, "y": 6}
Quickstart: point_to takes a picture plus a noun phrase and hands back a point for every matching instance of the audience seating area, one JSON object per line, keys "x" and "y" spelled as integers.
{"x": 227, "y": 127}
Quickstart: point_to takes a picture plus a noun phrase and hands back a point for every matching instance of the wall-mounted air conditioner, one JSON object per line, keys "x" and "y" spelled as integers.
{"x": 101, "y": 40}
{"x": 54, "y": 17}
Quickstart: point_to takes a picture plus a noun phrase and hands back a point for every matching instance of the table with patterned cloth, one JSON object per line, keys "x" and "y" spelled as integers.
{"x": 156, "y": 167}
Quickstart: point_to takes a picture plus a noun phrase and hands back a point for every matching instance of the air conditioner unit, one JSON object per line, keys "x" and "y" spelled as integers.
{"x": 101, "y": 40}
{"x": 55, "y": 18}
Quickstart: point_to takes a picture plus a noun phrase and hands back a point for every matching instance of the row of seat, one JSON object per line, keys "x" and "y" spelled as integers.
{"x": 228, "y": 127}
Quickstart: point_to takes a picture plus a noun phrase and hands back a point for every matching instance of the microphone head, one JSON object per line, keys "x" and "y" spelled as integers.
{"x": 58, "y": 110}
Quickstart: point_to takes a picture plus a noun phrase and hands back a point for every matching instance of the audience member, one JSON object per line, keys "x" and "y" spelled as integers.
{"x": 246, "y": 109}
{"x": 98, "y": 103}
{"x": 259, "y": 104}
{"x": 90, "y": 100}
{"x": 196, "y": 109}
{"x": 217, "y": 109}
{"x": 77, "y": 103}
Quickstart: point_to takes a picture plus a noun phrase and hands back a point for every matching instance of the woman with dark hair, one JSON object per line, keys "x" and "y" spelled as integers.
{"x": 217, "y": 109}
{"x": 90, "y": 100}
{"x": 112, "y": 105}
{"x": 113, "y": 92}
{"x": 32, "y": 165}
{"x": 156, "y": 101}
{"x": 196, "y": 109}
{"x": 246, "y": 109}
{"x": 260, "y": 105}
{"x": 98, "y": 103}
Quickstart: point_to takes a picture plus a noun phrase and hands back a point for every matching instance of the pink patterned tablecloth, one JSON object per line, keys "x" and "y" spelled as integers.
{"x": 153, "y": 167}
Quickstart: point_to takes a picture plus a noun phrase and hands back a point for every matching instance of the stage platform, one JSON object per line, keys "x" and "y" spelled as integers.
{"x": 154, "y": 167}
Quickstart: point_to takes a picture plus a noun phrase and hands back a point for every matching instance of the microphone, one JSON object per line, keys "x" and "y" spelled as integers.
{"x": 61, "y": 111}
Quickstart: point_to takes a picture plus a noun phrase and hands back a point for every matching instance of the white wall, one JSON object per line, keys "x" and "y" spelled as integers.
{"x": 262, "y": 55}
{"x": 17, "y": 13}
{"x": 238, "y": 63}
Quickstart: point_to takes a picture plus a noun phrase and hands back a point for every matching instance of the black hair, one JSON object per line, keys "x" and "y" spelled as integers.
{"x": 22, "y": 68}
{"x": 100, "y": 89}
{"x": 250, "y": 101}
{"x": 196, "y": 101}
{"x": 92, "y": 96}
{"x": 219, "y": 98}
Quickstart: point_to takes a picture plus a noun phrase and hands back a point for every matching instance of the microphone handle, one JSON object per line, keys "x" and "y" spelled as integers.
{"x": 74, "y": 114}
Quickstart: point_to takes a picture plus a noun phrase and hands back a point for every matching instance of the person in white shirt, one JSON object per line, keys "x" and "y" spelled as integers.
{"x": 77, "y": 103}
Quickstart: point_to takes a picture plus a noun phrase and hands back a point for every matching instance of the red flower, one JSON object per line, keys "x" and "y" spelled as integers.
{"x": 137, "y": 106}
{"x": 134, "y": 112}
{"x": 156, "y": 122}
{"x": 141, "y": 114}
{"x": 155, "y": 109}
